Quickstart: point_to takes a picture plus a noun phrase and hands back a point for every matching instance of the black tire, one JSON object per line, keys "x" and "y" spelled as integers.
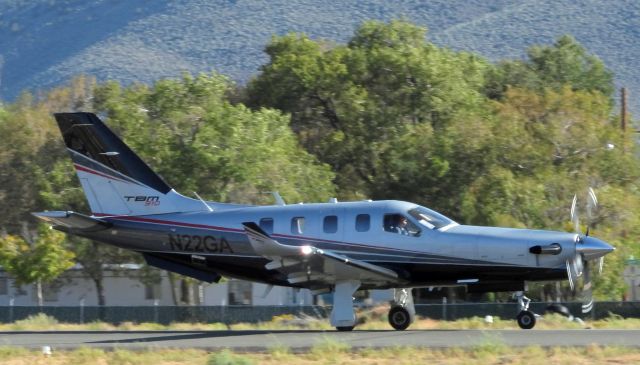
{"x": 526, "y": 320}
{"x": 400, "y": 318}
{"x": 345, "y": 328}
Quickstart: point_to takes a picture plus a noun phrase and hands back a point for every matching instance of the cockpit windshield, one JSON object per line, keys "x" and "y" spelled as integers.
{"x": 430, "y": 218}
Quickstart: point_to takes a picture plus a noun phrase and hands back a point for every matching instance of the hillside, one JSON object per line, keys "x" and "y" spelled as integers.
{"x": 45, "y": 42}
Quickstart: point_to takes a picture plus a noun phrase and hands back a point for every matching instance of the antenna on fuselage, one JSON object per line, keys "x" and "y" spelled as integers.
{"x": 277, "y": 197}
{"x": 203, "y": 202}
{"x": 333, "y": 200}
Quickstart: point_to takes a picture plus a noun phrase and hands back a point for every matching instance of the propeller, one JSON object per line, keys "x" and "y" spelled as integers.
{"x": 579, "y": 265}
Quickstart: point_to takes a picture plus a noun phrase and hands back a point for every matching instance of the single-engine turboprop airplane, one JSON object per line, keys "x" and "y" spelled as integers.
{"x": 337, "y": 247}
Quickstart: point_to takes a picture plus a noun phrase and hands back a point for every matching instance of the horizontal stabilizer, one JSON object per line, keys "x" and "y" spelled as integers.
{"x": 73, "y": 221}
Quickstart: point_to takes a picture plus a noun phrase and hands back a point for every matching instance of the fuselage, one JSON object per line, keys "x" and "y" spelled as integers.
{"x": 435, "y": 252}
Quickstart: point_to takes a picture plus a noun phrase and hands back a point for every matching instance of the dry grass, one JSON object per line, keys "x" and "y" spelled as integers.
{"x": 491, "y": 352}
{"x": 42, "y": 322}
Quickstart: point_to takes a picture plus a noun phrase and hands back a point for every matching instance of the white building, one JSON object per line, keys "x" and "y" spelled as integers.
{"x": 122, "y": 287}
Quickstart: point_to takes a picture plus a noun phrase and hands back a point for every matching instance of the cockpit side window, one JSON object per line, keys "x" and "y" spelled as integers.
{"x": 399, "y": 224}
{"x": 429, "y": 218}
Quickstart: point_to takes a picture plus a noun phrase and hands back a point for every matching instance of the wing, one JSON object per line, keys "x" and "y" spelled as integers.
{"x": 72, "y": 221}
{"x": 316, "y": 268}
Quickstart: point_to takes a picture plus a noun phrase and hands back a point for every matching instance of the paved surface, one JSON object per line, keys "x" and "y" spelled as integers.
{"x": 303, "y": 340}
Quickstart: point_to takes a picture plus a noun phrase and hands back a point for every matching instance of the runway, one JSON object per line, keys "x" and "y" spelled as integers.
{"x": 299, "y": 341}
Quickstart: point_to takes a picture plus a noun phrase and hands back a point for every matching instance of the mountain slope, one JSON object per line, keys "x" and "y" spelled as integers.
{"x": 45, "y": 42}
{"x": 609, "y": 29}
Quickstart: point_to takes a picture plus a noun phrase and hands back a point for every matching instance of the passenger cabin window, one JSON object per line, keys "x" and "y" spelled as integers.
{"x": 297, "y": 225}
{"x": 267, "y": 225}
{"x": 363, "y": 222}
{"x": 399, "y": 224}
{"x": 330, "y": 224}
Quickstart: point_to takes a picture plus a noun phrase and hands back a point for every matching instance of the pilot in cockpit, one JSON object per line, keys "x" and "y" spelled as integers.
{"x": 397, "y": 223}
{"x": 401, "y": 226}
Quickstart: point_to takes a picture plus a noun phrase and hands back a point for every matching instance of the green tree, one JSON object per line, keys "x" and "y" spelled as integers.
{"x": 566, "y": 62}
{"x": 41, "y": 260}
{"x": 35, "y": 154}
{"x": 546, "y": 147}
{"x": 31, "y": 149}
{"x": 351, "y": 104}
{"x": 188, "y": 131}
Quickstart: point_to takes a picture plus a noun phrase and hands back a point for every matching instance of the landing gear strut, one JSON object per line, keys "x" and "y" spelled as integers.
{"x": 526, "y": 319}
{"x": 343, "y": 316}
{"x": 402, "y": 312}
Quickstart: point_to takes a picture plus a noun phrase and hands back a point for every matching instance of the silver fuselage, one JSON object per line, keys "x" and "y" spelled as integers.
{"x": 450, "y": 255}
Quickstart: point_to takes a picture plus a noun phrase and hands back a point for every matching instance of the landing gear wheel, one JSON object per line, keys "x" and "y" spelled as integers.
{"x": 399, "y": 318}
{"x": 345, "y": 328}
{"x": 526, "y": 320}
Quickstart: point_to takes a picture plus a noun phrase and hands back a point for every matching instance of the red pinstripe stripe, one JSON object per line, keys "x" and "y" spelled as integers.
{"x": 86, "y": 169}
{"x": 235, "y": 230}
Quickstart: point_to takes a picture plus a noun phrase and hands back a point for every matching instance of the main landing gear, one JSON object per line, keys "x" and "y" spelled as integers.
{"x": 343, "y": 316}
{"x": 526, "y": 319}
{"x": 402, "y": 312}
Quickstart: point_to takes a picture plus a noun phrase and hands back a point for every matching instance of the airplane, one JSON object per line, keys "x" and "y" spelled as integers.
{"x": 333, "y": 247}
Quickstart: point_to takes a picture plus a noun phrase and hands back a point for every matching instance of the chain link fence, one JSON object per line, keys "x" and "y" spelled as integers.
{"x": 510, "y": 310}
{"x": 254, "y": 314}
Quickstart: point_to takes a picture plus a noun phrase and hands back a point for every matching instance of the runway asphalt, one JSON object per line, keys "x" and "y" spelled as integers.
{"x": 256, "y": 341}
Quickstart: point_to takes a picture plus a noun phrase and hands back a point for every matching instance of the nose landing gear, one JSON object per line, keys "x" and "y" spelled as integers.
{"x": 526, "y": 319}
{"x": 402, "y": 312}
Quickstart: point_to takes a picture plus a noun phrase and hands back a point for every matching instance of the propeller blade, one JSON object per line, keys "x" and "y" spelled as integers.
{"x": 574, "y": 214}
{"x": 592, "y": 204}
{"x": 600, "y": 265}
{"x": 578, "y": 265}
{"x": 587, "y": 292}
{"x": 575, "y": 269}
{"x": 570, "y": 275}
{"x": 593, "y": 199}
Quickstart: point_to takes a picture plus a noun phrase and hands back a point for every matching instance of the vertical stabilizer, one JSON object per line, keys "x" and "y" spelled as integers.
{"x": 115, "y": 180}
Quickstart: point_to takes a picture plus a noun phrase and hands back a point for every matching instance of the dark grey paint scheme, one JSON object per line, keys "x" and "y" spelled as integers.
{"x": 317, "y": 246}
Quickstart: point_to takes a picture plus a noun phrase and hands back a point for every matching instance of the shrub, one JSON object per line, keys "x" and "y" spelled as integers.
{"x": 226, "y": 357}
